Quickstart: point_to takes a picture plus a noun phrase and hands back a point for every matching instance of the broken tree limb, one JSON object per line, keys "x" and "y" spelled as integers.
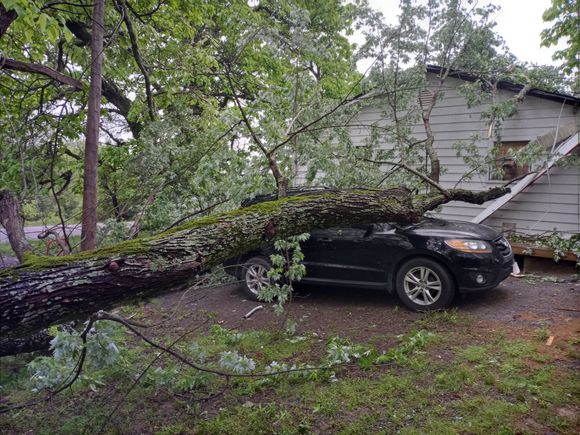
{"x": 44, "y": 291}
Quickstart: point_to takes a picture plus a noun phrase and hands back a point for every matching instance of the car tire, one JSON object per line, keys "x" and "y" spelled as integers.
{"x": 423, "y": 284}
{"x": 254, "y": 276}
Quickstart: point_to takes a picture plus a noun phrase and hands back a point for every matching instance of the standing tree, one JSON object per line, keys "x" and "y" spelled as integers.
{"x": 90, "y": 177}
{"x": 11, "y": 220}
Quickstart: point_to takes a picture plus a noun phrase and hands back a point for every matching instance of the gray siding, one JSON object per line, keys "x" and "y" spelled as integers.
{"x": 552, "y": 203}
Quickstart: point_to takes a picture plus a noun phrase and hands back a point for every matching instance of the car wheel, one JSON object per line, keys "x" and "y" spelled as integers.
{"x": 255, "y": 276}
{"x": 423, "y": 285}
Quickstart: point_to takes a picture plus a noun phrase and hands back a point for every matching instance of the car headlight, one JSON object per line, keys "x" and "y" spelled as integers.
{"x": 473, "y": 246}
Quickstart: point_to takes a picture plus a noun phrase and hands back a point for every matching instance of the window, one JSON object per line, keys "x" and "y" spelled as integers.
{"x": 506, "y": 167}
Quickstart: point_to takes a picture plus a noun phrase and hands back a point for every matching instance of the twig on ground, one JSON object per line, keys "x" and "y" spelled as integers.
{"x": 143, "y": 372}
{"x": 252, "y": 311}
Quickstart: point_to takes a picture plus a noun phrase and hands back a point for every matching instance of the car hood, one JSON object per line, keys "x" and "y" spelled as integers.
{"x": 451, "y": 229}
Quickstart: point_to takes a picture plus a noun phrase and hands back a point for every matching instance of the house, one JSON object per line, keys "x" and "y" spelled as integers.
{"x": 544, "y": 202}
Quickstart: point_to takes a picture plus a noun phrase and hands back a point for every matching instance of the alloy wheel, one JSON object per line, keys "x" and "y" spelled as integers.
{"x": 256, "y": 278}
{"x": 422, "y": 285}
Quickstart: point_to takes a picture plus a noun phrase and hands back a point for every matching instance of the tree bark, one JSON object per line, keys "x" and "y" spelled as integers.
{"x": 6, "y": 18}
{"x": 90, "y": 180}
{"x": 37, "y": 342}
{"x": 11, "y": 220}
{"x": 50, "y": 290}
{"x": 17, "y": 65}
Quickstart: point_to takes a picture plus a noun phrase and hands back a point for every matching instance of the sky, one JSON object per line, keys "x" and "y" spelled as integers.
{"x": 519, "y": 22}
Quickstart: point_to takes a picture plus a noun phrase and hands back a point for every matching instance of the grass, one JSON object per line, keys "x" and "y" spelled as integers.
{"x": 446, "y": 377}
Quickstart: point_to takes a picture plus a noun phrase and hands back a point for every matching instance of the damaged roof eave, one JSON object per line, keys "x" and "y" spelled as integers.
{"x": 562, "y": 150}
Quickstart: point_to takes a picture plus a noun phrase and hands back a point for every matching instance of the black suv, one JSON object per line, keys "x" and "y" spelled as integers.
{"x": 425, "y": 264}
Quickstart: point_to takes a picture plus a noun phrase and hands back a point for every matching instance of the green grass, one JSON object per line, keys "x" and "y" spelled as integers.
{"x": 445, "y": 381}
{"x": 6, "y": 250}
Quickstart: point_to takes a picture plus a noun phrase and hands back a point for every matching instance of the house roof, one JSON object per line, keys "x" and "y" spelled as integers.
{"x": 509, "y": 86}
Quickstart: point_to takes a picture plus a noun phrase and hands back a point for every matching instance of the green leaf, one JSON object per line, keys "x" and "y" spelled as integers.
{"x": 8, "y": 4}
{"x": 42, "y": 20}
{"x": 53, "y": 32}
{"x": 28, "y": 35}
{"x": 68, "y": 36}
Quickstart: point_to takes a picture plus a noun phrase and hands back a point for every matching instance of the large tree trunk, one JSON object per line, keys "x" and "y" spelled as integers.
{"x": 50, "y": 290}
{"x": 11, "y": 220}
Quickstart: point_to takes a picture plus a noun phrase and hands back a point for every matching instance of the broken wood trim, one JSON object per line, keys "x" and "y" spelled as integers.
{"x": 539, "y": 251}
{"x": 564, "y": 149}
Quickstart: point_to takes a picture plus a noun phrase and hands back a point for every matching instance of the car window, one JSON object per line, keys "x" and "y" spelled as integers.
{"x": 358, "y": 230}
{"x": 338, "y": 233}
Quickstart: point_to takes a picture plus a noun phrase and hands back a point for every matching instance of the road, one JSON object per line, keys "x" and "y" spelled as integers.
{"x": 33, "y": 232}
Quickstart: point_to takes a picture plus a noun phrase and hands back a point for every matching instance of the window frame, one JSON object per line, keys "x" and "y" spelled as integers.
{"x": 501, "y": 160}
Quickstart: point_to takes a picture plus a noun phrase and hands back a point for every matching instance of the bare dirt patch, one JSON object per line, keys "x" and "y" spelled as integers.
{"x": 516, "y": 304}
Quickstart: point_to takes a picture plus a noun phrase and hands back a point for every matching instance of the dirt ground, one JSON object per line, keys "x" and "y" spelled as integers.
{"x": 522, "y": 304}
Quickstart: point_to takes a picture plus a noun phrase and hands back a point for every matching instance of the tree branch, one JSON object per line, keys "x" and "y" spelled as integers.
{"x": 281, "y": 180}
{"x": 16, "y": 65}
{"x": 109, "y": 89}
{"x": 114, "y": 96}
{"x": 122, "y": 8}
{"x": 425, "y": 203}
{"x": 413, "y": 171}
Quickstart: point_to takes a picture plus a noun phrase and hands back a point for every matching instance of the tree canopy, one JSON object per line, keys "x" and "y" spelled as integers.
{"x": 176, "y": 75}
{"x": 207, "y": 103}
{"x": 563, "y": 18}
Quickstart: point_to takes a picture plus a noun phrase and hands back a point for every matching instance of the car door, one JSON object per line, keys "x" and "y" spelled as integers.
{"x": 345, "y": 255}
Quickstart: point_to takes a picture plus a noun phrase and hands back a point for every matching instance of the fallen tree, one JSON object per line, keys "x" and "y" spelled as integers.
{"x": 44, "y": 291}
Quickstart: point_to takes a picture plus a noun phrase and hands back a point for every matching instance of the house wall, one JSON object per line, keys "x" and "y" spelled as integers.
{"x": 552, "y": 203}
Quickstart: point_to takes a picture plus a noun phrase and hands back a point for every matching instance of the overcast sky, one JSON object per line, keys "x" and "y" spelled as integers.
{"x": 519, "y": 22}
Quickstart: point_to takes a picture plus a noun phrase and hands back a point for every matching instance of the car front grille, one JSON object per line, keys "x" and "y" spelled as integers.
{"x": 503, "y": 246}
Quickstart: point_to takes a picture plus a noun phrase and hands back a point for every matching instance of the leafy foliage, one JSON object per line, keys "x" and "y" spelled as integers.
{"x": 177, "y": 145}
{"x": 235, "y": 89}
{"x": 286, "y": 268}
{"x": 104, "y": 350}
{"x": 560, "y": 246}
{"x": 564, "y": 20}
